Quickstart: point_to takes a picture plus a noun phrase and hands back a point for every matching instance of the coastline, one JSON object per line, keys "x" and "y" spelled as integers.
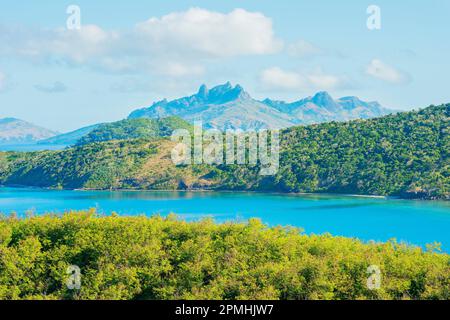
{"x": 387, "y": 197}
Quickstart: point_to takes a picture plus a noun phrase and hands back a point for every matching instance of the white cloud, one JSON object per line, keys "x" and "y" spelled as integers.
{"x": 81, "y": 45}
{"x": 302, "y": 49}
{"x": 380, "y": 70}
{"x": 279, "y": 79}
{"x": 180, "y": 41}
{"x": 216, "y": 34}
{"x": 76, "y": 46}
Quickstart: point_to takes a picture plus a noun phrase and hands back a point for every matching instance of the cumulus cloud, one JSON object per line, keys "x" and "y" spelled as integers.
{"x": 216, "y": 34}
{"x": 279, "y": 79}
{"x": 302, "y": 49}
{"x": 382, "y": 71}
{"x": 57, "y": 87}
{"x": 75, "y": 46}
{"x": 181, "y": 38}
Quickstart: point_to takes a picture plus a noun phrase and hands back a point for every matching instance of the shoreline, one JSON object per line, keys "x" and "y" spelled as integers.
{"x": 368, "y": 196}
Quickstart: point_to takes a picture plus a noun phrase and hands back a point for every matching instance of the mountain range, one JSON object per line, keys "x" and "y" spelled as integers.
{"x": 222, "y": 107}
{"x": 16, "y": 131}
{"x": 227, "y": 107}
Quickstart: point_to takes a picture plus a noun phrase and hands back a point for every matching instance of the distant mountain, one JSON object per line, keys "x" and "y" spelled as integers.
{"x": 135, "y": 128}
{"x": 223, "y": 107}
{"x": 16, "y": 131}
{"x": 69, "y": 138}
{"x": 228, "y": 107}
{"x": 323, "y": 108}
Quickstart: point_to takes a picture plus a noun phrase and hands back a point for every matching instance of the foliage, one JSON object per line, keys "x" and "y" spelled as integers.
{"x": 97, "y": 165}
{"x": 164, "y": 258}
{"x": 406, "y": 154}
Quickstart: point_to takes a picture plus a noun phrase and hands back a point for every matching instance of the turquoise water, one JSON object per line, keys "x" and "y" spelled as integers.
{"x": 31, "y": 147}
{"x": 414, "y": 222}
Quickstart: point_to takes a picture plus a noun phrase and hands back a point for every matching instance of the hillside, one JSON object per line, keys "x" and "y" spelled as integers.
{"x": 403, "y": 155}
{"x": 227, "y": 107}
{"x": 16, "y": 131}
{"x": 134, "y": 129}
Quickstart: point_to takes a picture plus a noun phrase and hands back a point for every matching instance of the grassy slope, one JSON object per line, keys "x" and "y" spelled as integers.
{"x": 156, "y": 258}
{"x": 405, "y": 154}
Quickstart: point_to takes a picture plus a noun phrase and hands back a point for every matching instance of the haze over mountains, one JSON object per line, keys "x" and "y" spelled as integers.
{"x": 70, "y": 138}
{"x": 222, "y": 107}
{"x": 227, "y": 107}
{"x": 15, "y": 131}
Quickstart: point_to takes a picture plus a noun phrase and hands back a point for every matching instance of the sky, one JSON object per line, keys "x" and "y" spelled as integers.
{"x": 125, "y": 55}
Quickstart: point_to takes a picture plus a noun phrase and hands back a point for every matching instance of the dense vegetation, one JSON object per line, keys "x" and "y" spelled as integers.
{"x": 134, "y": 129}
{"x": 405, "y": 155}
{"x": 98, "y": 166}
{"x": 163, "y": 258}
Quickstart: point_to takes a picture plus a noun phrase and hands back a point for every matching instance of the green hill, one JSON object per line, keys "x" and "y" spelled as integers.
{"x": 135, "y": 128}
{"x": 405, "y": 155}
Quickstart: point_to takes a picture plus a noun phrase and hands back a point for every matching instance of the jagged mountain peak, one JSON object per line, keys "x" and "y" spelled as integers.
{"x": 227, "y": 106}
{"x": 203, "y": 91}
{"x": 226, "y": 93}
{"x": 323, "y": 99}
{"x": 322, "y": 95}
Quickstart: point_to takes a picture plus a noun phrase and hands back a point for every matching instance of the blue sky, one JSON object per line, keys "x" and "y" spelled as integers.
{"x": 131, "y": 53}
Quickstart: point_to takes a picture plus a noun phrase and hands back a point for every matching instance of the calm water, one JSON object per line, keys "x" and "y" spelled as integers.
{"x": 31, "y": 147}
{"x": 415, "y": 222}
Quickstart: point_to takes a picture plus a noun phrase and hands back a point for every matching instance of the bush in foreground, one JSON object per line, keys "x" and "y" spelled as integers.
{"x": 164, "y": 258}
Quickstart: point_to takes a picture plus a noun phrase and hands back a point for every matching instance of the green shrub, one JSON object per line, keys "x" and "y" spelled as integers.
{"x": 165, "y": 258}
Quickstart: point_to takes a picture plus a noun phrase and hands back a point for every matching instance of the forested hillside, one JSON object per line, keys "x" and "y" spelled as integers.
{"x": 396, "y": 154}
{"x": 134, "y": 129}
{"x": 405, "y": 155}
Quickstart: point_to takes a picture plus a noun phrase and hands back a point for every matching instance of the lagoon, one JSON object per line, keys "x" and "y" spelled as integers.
{"x": 366, "y": 218}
